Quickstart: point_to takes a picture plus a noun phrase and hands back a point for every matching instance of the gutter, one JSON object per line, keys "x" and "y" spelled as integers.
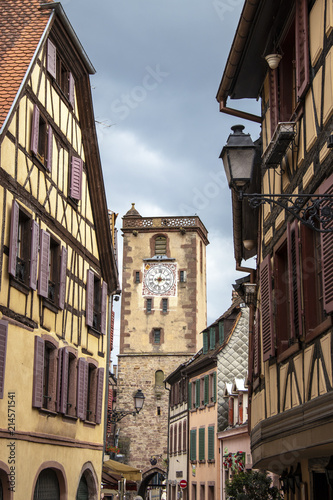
{"x": 240, "y": 114}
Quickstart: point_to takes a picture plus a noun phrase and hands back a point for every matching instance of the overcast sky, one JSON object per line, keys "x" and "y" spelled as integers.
{"x": 158, "y": 67}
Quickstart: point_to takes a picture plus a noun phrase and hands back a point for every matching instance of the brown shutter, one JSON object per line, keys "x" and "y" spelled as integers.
{"x": 90, "y": 298}
{"x": 256, "y": 346}
{"x": 240, "y": 407}
{"x": 302, "y": 47}
{"x": 327, "y": 253}
{"x": 49, "y": 149}
{"x": 231, "y": 411}
{"x": 294, "y": 278}
{"x": 111, "y": 330}
{"x": 309, "y": 277}
{"x": 14, "y": 223}
{"x": 103, "y": 307}
{"x": 171, "y": 439}
{"x": 44, "y": 259}
{"x": 184, "y": 435}
{"x": 71, "y": 87}
{"x": 273, "y": 99}
{"x": 35, "y": 130}
{"x": 76, "y": 178}
{"x": 51, "y": 59}
{"x": 34, "y": 254}
{"x": 38, "y": 379}
{"x": 63, "y": 270}
{"x": 82, "y": 388}
{"x": 179, "y": 437}
{"x": 266, "y": 308}
{"x": 99, "y": 395}
{"x": 3, "y": 350}
{"x": 64, "y": 380}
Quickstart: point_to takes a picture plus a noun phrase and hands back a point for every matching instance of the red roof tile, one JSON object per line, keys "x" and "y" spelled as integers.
{"x": 22, "y": 23}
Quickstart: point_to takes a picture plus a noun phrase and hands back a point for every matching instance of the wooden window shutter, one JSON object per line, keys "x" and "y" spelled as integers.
{"x": 206, "y": 397}
{"x": 99, "y": 395}
{"x": 202, "y": 443}
{"x": 14, "y": 223}
{"x": 51, "y": 59}
{"x": 189, "y": 395}
{"x": 193, "y": 444}
{"x": 103, "y": 307}
{"x": 71, "y": 86}
{"x": 82, "y": 388}
{"x": 205, "y": 342}
{"x": 179, "y": 437}
{"x": 309, "y": 277}
{"x": 35, "y": 130}
{"x": 44, "y": 261}
{"x": 49, "y": 149}
{"x": 64, "y": 366}
{"x": 34, "y": 254}
{"x": 211, "y": 439}
{"x": 294, "y": 278}
{"x": 231, "y": 411}
{"x": 212, "y": 337}
{"x": 76, "y": 178}
{"x": 327, "y": 253}
{"x": 197, "y": 393}
{"x": 38, "y": 377}
{"x": 175, "y": 438}
{"x": 184, "y": 436}
{"x": 302, "y": 47}
{"x": 90, "y": 298}
{"x": 266, "y": 308}
{"x": 3, "y": 350}
{"x": 63, "y": 274}
{"x": 273, "y": 99}
{"x": 214, "y": 387}
{"x": 171, "y": 439}
{"x": 240, "y": 408}
{"x": 221, "y": 332}
{"x": 256, "y": 346}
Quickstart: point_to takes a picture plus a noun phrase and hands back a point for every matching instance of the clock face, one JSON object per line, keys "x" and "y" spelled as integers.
{"x": 159, "y": 279}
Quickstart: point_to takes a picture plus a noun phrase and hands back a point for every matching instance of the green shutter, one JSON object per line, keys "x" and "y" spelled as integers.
{"x": 193, "y": 444}
{"x": 202, "y": 444}
{"x": 214, "y": 387}
{"x": 197, "y": 393}
{"x": 189, "y": 395}
{"x": 211, "y": 439}
{"x": 212, "y": 337}
{"x": 206, "y": 397}
{"x": 205, "y": 342}
{"x": 221, "y": 332}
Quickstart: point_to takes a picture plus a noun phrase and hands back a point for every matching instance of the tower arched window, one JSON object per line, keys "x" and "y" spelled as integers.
{"x": 160, "y": 245}
{"x": 159, "y": 377}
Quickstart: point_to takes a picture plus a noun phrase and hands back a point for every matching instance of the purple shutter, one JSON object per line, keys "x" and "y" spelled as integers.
{"x": 256, "y": 346}
{"x": 3, "y": 350}
{"x": 103, "y": 307}
{"x": 82, "y": 388}
{"x": 273, "y": 99}
{"x": 266, "y": 308}
{"x": 59, "y": 372}
{"x": 64, "y": 380}
{"x": 76, "y": 178}
{"x": 99, "y": 395}
{"x": 14, "y": 223}
{"x": 34, "y": 254}
{"x": 44, "y": 268}
{"x": 51, "y": 59}
{"x": 294, "y": 278}
{"x": 49, "y": 148}
{"x": 327, "y": 251}
{"x": 302, "y": 47}
{"x": 35, "y": 130}
{"x": 63, "y": 270}
{"x": 38, "y": 382}
{"x": 71, "y": 89}
{"x": 90, "y": 298}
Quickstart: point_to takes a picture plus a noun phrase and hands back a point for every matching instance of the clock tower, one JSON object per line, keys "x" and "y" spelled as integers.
{"x": 163, "y": 310}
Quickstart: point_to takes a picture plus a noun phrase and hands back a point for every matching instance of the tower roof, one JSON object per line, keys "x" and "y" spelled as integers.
{"x": 132, "y": 212}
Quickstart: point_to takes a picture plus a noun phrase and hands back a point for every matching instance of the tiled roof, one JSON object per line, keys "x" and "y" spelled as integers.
{"x": 22, "y": 23}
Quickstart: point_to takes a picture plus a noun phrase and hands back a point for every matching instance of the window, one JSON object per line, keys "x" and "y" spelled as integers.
{"x": 182, "y": 276}
{"x": 197, "y": 393}
{"x": 160, "y": 245}
{"x": 148, "y": 305}
{"x": 211, "y": 440}
{"x": 157, "y": 336}
{"x": 184, "y": 437}
{"x": 202, "y": 443}
{"x": 45, "y": 375}
{"x": 193, "y": 444}
{"x": 41, "y": 139}
{"x": 3, "y": 350}
{"x": 90, "y": 383}
{"x": 205, "y": 342}
{"x": 180, "y": 437}
{"x": 165, "y": 305}
{"x": 91, "y": 392}
{"x": 206, "y": 390}
{"x": 52, "y": 270}
{"x": 96, "y": 298}
{"x": 202, "y": 391}
{"x": 212, "y": 387}
{"x": 23, "y": 247}
{"x": 57, "y": 68}
{"x": 231, "y": 411}
{"x": 171, "y": 440}
{"x": 202, "y": 491}
{"x": 137, "y": 276}
{"x": 212, "y": 339}
{"x": 175, "y": 439}
{"x": 159, "y": 378}
{"x": 47, "y": 486}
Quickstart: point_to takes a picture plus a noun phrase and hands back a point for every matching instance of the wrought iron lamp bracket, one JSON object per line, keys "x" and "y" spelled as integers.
{"x": 312, "y": 210}
{"x": 114, "y": 416}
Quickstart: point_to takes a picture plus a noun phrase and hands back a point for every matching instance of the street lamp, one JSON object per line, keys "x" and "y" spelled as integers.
{"x": 238, "y": 156}
{"x": 115, "y": 416}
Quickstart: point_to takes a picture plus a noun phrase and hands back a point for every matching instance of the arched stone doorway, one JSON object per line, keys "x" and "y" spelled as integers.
{"x": 87, "y": 488}
{"x": 153, "y": 478}
{"x": 50, "y": 482}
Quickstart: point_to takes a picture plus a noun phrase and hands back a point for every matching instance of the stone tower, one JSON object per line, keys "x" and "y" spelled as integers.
{"x": 163, "y": 310}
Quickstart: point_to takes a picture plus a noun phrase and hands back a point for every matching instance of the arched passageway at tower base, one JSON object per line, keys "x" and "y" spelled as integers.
{"x": 152, "y": 479}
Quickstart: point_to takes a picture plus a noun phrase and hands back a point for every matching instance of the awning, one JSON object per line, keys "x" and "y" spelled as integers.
{"x": 125, "y": 471}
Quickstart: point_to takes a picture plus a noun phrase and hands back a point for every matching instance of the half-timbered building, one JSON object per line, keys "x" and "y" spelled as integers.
{"x": 291, "y": 379}
{"x": 57, "y": 265}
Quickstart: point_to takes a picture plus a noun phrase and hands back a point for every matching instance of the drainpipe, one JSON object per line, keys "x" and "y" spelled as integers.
{"x": 239, "y": 114}
{"x": 106, "y": 392}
